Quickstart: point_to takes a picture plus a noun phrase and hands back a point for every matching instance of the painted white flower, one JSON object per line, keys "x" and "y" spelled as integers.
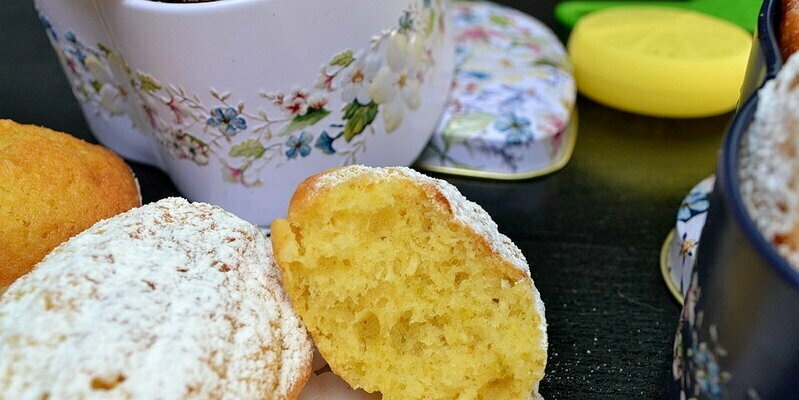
{"x": 184, "y": 146}
{"x": 398, "y": 84}
{"x": 317, "y": 101}
{"x": 383, "y": 88}
{"x": 244, "y": 174}
{"x": 325, "y": 80}
{"x": 297, "y": 103}
{"x": 405, "y": 51}
{"x": 179, "y": 110}
{"x": 393, "y": 114}
{"x": 140, "y": 108}
{"x": 98, "y": 69}
{"x": 116, "y": 93}
{"x": 355, "y": 79}
{"x": 112, "y": 98}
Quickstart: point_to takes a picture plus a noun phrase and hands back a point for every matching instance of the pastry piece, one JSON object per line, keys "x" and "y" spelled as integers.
{"x": 788, "y": 36}
{"x": 168, "y": 301}
{"x": 52, "y": 186}
{"x": 408, "y": 289}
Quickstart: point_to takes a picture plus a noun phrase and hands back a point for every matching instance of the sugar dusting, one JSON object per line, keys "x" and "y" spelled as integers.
{"x": 171, "y": 301}
{"x": 769, "y": 161}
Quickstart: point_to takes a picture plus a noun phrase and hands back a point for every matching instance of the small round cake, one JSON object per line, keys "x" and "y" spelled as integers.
{"x": 52, "y": 186}
{"x": 408, "y": 289}
{"x": 170, "y": 300}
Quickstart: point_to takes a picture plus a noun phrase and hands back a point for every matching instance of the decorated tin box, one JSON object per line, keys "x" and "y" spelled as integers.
{"x": 510, "y": 112}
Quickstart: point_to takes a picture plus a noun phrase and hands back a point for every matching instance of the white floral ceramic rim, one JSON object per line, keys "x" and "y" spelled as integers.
{"x": 678, "y": 253}
{"x": 380, "y": 83}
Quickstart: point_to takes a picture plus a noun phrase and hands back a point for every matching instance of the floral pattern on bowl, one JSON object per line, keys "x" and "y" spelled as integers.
{"x": 379, "y": 86}
{"x": 681, "y": 247}
{"x": 696, "y": 367}
{"x": 512, "y": 97}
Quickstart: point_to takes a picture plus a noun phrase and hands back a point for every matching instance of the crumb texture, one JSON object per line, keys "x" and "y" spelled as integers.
{"x": 52, "y": 186}
{"x": 408, "y": 289}
{"x": 171, "y": 300}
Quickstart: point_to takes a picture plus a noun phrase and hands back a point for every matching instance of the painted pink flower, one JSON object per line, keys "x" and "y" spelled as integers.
{"x": 478, "y": 33}
{"x": 325, "y": 81}
{"x": 178, "y": 111}
{"x": 235, "y": 175}
{"x": 296, "y": 106}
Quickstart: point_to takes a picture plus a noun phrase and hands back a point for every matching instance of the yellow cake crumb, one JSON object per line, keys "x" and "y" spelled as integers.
{"x": 403, "y": 296}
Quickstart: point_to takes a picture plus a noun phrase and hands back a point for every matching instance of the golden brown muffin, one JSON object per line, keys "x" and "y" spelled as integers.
{"x": 52, "y": 186}
{"x": 789, "y": 28}
{"x": 408, "y": 289}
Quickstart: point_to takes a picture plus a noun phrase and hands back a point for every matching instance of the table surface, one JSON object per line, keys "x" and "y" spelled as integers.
{"x": 592, "y": 232}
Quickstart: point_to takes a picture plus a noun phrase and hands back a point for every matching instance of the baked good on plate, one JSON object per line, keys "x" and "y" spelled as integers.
{"x": 52, "y": 186}
{"x": 408, "y": 289}
{"x": 171, "y": 300}
{"x": 325, "y": 385}
{"x": 788, "y": 36}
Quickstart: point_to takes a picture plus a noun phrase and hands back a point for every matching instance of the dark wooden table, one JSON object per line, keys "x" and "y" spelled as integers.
{"x": 592, "y": 232}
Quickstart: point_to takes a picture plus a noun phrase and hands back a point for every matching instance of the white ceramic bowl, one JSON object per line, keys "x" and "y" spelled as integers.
{"x": 239, "y": 100}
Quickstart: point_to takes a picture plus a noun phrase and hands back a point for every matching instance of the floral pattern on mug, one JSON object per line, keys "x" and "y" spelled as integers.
{"x": 513, "y": 90}
{"x": 379, "y": 86}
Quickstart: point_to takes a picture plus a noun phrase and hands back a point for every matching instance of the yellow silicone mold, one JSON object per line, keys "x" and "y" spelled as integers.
{"x": 659, "y": 61}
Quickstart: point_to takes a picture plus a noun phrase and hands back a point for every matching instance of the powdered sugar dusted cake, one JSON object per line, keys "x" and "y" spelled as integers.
{"x": 171, "y": 300}
{"x": 769, "y": 162}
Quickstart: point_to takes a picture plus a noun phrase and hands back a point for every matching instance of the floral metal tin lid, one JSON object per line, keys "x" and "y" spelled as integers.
{"x": 509, "y": 114}
{"x": 678, "y": 255}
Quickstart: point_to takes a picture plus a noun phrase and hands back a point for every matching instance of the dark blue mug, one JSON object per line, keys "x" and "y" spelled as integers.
{"x": 738, "y": 336}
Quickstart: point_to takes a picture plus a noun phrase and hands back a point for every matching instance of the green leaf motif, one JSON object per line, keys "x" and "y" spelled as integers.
{"x": 104, "y": 49}
{"x": 251, "y": 148}
{"x": 358, "y": 117}
{"x": 431, "y": 24}
{"x": 96, "y": 86}
{"x": 342, "y": 59}
{"x": 461, "y": 128}
{"x": 148, "y": 83}
{"x": 500, "y": 20}
{"x": 311, "y": 117}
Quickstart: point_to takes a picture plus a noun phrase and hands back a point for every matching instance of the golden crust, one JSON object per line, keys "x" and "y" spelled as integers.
{"x": 789, "y": 28}
{"x": 52, "y": 186}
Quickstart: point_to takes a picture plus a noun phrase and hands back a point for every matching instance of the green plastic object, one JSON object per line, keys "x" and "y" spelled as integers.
{"x": 740, "y": 12}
